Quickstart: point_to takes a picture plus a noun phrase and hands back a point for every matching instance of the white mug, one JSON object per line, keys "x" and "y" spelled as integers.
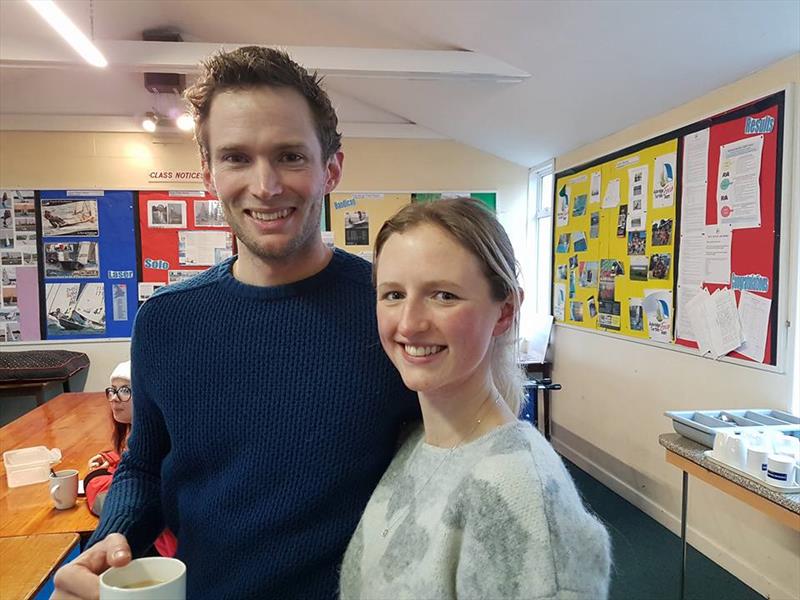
{"x": 64, "y": 488}
{"x": 145, "y": 579}
{"x": 736, "y": 451}
{"x": 780, "y": 470}
{"x": 786, "y": 444}
{"x": 757, "y": 461}
{"x": 720, "y": 441}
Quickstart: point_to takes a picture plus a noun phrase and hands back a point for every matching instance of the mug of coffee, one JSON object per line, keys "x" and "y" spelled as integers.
{"x": 145, "y": 579}
{"x": 64, "y": 488}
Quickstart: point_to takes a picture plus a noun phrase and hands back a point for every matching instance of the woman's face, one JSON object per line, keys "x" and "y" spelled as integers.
{"x": 122, "y": 411}
{"x": 436, "y": 317}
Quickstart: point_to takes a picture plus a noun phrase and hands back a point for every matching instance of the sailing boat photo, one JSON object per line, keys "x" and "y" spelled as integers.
{"x": 71, "y": 259}
{"x": 69, "y": 217}
{"x": 75, "y": 308}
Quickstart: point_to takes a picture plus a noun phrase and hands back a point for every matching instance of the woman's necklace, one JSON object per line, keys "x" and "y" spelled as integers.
{"x": 447, "y": 456}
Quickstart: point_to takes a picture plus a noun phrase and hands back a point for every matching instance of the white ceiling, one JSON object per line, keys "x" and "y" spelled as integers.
{"x": 594, "y": 67}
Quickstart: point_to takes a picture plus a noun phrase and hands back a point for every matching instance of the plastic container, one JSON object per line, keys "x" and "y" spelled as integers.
{"x": 29, "y": 465}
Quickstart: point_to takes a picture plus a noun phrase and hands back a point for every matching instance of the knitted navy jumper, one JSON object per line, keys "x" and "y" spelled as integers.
{"x": 263, "y": 420}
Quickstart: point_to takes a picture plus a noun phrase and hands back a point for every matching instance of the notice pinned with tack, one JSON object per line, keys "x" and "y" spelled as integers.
{"x": 754, "y": 316}
{"x": 611, "y": 199}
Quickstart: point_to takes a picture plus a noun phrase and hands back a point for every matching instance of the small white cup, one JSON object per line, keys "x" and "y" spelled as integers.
{"x": 163, "y": 578}
{"x": 720, "y": 441}
{"x": 786, "y": 444}
{"x": 757, "y": 461}
{"x": 64, "y": 488}
{"x": 780, "y": 470}
{"x": 736, "y": 452}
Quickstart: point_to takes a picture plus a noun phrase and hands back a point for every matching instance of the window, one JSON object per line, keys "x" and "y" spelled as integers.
{"x": 539, "y": 238}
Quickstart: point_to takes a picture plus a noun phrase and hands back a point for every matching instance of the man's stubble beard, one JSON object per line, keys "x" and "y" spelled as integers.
{"x": 303, "y": 240}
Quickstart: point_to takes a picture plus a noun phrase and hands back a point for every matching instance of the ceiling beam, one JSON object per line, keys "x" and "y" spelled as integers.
{"x": 128, "y": 124}
{"x": 183, "y": 57}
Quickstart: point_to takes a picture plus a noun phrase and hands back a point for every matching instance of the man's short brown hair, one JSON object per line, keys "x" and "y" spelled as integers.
{"x": 254, "y": 66}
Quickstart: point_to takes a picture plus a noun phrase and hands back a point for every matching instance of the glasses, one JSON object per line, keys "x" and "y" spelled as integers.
{"x": 122, "y": 393}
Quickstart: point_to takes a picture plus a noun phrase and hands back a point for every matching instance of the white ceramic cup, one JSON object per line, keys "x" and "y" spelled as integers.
{"x": 720, "y": 441}
{"x": 757, "y": 461}
{"x": 736, "y": 452}
{"x": 780, "y": 470}
{"x": 64, "y": 488}
{"x": 166, "y": 578}
{"x": 786, "y": 444}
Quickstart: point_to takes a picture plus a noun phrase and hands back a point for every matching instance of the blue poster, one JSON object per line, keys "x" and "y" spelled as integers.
{"x": 89, "y": 256}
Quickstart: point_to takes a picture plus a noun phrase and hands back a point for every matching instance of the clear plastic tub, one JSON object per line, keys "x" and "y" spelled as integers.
{"x": 29, "y": 465}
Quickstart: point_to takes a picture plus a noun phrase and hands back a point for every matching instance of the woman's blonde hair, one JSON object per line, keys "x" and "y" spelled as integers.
{"x": 473, "y": 226}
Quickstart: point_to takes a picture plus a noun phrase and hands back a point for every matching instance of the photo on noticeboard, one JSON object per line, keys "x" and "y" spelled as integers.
{"x": 75, "y": 308}
{"x": 579, "y": 208}
{"x": 661, "y": 232}
{"x": 638, "y": 268}
{"x": 622, "y": 220}
{"x": 636, "y": 313}
{"x": 356, "y": 228}
{"x": 71, "y": 259}
{"x": 659, "y": 266}
{"x": 637, "y": 243}
{"x": 209, "y": 213}
{"x": 166, "y": 214}
{"x": 576, "y": 311}
{"x": 594, "y": 225}
{"x": 69, "y": 217}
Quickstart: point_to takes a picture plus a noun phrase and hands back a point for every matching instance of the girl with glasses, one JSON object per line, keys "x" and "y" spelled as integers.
{"x": 103, "y": 465}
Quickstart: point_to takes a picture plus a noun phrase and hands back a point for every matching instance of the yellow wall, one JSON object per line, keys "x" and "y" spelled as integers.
{"x": 610, "y": 412}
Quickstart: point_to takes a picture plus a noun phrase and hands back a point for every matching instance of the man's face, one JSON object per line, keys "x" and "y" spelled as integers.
{"x": 265, "y": 165}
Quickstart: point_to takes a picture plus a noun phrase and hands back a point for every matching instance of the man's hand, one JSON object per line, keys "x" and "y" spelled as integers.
{"x": 79, "y": 580}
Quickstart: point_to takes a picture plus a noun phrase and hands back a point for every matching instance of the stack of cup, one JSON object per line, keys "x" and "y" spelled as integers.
{"x": 730, "y": 448}
{"x": 759, "y": 448}
{"x": 770, "y": 456}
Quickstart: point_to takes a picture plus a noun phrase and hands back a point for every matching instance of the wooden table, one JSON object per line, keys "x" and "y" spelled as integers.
{"x": 689, "y": 457}
{"x": 80, "y": 426}
{"x": 27, "y": 562}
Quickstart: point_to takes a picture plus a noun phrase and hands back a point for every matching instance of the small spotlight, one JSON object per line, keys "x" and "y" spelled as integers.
{"x": 149, "y": 122}
{"x": 185, "y": 122}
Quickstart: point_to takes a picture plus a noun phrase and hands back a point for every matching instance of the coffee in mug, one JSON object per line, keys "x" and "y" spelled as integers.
{"x": 141, "y": 584}
{"x": 145, "y": 579}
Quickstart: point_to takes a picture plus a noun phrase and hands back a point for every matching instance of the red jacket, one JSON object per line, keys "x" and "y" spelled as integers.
{"x": 98, "y": 481}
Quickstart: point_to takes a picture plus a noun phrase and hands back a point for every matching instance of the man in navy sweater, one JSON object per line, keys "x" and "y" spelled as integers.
{"x": 265, "y": 410}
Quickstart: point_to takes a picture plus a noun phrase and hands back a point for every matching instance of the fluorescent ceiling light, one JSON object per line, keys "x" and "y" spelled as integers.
{"x": 69, "y": 31}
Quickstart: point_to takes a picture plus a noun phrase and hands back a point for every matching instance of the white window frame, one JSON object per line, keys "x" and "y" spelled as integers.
{"x": 538, "y": 297}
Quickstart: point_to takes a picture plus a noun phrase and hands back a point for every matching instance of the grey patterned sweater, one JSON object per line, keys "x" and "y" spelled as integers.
{"x": 500, "y": 518}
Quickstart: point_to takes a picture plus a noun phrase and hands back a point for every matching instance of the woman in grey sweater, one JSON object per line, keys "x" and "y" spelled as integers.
{"x": 476, "y": 504}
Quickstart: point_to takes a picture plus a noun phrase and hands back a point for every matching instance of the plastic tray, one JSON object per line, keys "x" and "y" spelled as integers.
{"x": 26, "y": 466}
{"x": 793, "y": 489}
{"x": 702, "y": 425}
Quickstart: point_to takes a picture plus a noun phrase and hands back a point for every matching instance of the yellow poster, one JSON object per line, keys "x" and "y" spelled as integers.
{"x": 356, "y": 218}
{"x": 614, "y": 244}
